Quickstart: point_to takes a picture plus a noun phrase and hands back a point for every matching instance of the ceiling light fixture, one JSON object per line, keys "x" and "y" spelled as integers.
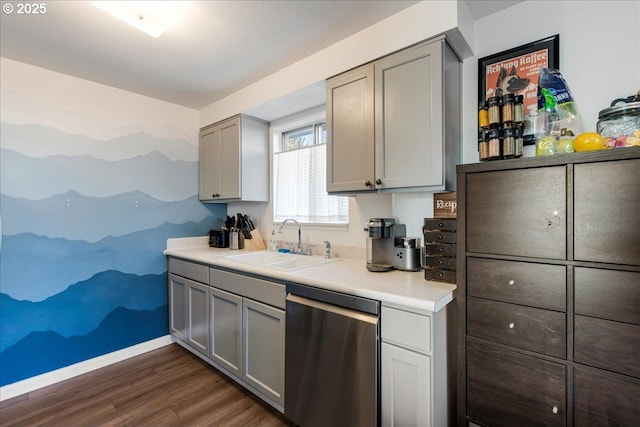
{"x": 152, "y": 17}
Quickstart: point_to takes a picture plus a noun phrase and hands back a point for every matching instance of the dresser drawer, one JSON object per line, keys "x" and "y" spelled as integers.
{"x": 608, "y": 345}
{"x": 606, "y": 206}
{"x": 604, "y": 401}
{"x": 440, "y": 275}
{"x": 439, "y": 237}
{"x": 518, "y": 212}
{"x": 608, "y": 294}
{"x": 533, "y": 329}
{"x": 446, "y": 249}
{"x": 190, "y": 270}
{"x": 441, "y": 262}
{"x": 535, "y": 285}
{"x": 439, "y": 224}
{"x": 508, "y": 389}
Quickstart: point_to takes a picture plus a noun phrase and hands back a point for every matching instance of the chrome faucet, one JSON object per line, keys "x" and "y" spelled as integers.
{"x": 327, "y": 249}
{"x": 299, "y": 250}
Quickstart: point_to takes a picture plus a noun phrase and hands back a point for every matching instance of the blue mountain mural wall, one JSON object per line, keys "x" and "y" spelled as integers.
{"x": 84, "y": 224}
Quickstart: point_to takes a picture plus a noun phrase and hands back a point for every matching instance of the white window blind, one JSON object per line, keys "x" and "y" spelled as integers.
{"x": 300, "y": 181}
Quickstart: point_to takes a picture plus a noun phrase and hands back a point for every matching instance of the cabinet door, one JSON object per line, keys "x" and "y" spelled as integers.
{"x": 604, "y": 401}
{"x": 508, "y": 389}
{"x": 219, "y": 162}
{"x": 409, "y": 139}
{"x": 264, "y": 349}
{"x": 178, "y": 306}
{"x": 226, "y": 330}
{"x": 406, "y": 390}
{"x": 518, "y": 212}
{"x": 606, "y": 207}
{"x": 198, "y": 316}
{"x": 350, "y": 131}
{"x": 230, "y": 159}
{"x": 209, "y": 164}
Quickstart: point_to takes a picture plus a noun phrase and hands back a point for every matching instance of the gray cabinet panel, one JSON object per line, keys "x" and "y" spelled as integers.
{"x": 178, "y": 306}
{"x": 409, "y": 111}
{"x": 234, "y": 160}
{"x": 350, "y": 131}
{"x": 608, "y": 294}
{"x": 198, "y": 315}
{"x": 226, "y": 330}
{"x": 264, "y": 348}
{"x": 269, "y": 292}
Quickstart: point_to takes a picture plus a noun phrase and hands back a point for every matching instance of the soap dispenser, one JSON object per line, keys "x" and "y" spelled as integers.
{"x": 273, "y": 242}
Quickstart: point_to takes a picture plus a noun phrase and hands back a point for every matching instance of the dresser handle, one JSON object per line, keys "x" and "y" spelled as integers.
{"x": 512, "y": 282}
{"x": 554, "y": 410}
{"x": 512, "y": 325}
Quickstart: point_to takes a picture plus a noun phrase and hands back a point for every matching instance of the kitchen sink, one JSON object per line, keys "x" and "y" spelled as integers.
{"x": 280, "y": 261}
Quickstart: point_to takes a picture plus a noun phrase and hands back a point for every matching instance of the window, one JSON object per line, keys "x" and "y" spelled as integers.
{"x": 299, "y": 177}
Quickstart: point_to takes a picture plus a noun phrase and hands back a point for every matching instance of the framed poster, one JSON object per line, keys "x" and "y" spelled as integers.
{"x": 516, "y": 70}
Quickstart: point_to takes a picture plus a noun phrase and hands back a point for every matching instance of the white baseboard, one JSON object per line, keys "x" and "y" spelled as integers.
{"x": 49, "y": 378}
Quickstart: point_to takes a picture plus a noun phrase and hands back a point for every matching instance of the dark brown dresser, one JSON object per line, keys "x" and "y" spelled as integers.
{"x": 548, "y": 275}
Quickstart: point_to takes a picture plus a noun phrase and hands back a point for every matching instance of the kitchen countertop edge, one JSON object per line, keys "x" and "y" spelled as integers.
{"x": 406, "y": 289}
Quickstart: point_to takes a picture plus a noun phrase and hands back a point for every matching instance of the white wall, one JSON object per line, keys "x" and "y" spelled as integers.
{"x": 599, "y": 58}
{"x": 599, "y": 52}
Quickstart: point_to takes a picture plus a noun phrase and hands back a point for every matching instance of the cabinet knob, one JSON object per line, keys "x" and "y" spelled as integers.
{"x": 554, "y": 410}
{"x": 512, "y": 282}
{"x": 367, "y": 183}
{"x": 512, "y": 325}
{"x": 378, "y": 181}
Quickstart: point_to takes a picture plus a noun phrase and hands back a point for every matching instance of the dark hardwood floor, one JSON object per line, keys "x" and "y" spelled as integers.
{"x": 165, "y": 387}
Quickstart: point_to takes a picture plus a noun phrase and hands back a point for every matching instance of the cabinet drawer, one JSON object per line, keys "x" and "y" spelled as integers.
{"x": 441, "y": 262}
{"x": 606, "y": 206}
{"x": 190, "y": 270}
{"x": 603, "y": 401}
{"x": 439, "y": 237}
{"x": 608, "y": 345}
{"x": 508, "y": 389}
{"x": 439, "y": 275}
{"x": 448, "y": 250}
{"x": 533, "y": 329}
{"x": 608, "y": 294}
{"x": 535, "y": 285}
{"x": 271, "y": 293}
{"x": 518, "y": 212}
{"x": 439, "y": 224}
{"x": 408, "y": 329}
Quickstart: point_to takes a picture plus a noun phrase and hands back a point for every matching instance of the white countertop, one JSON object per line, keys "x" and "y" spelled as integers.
{"x": 409, "y": 289}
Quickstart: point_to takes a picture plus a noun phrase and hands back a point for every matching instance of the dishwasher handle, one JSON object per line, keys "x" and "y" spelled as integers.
{"x": 340, "y": 311}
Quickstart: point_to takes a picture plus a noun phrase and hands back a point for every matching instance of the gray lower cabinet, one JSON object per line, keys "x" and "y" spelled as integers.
{"x": 415, "y": 382}
{"x": 189, "y": 303}
{"x": 264, "y": 336}
{"x": 226, "y": 330}
{"x": 189, "y": 312}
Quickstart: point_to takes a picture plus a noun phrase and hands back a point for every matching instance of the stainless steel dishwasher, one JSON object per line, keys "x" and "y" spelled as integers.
{"x": 332, "y": 354}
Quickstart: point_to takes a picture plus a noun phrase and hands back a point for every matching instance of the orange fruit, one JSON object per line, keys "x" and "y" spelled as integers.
{"x": 589, "y": 141}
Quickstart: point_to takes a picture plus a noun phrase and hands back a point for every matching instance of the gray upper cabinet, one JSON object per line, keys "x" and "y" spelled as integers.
{"x": 234, "y": 160}
{"x": 394, "y": 124}
{"x": 350, "y": 131}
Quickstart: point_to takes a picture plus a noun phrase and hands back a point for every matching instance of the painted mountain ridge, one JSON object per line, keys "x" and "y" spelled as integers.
{"x": 35, "y": 267}
{"x": 37, "y": 140}
{"x": 97, "y": 296}
{"x": 74, "y": 216}
{"x": 41, "y": 352}
{"x": 152, "y": 173}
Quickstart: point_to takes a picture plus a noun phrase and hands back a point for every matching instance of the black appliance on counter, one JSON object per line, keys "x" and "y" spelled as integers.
{"x": 219, "y": 238}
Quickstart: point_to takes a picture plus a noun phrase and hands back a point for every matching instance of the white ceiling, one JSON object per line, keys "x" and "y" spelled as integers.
{"x": 216, "y": 48}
